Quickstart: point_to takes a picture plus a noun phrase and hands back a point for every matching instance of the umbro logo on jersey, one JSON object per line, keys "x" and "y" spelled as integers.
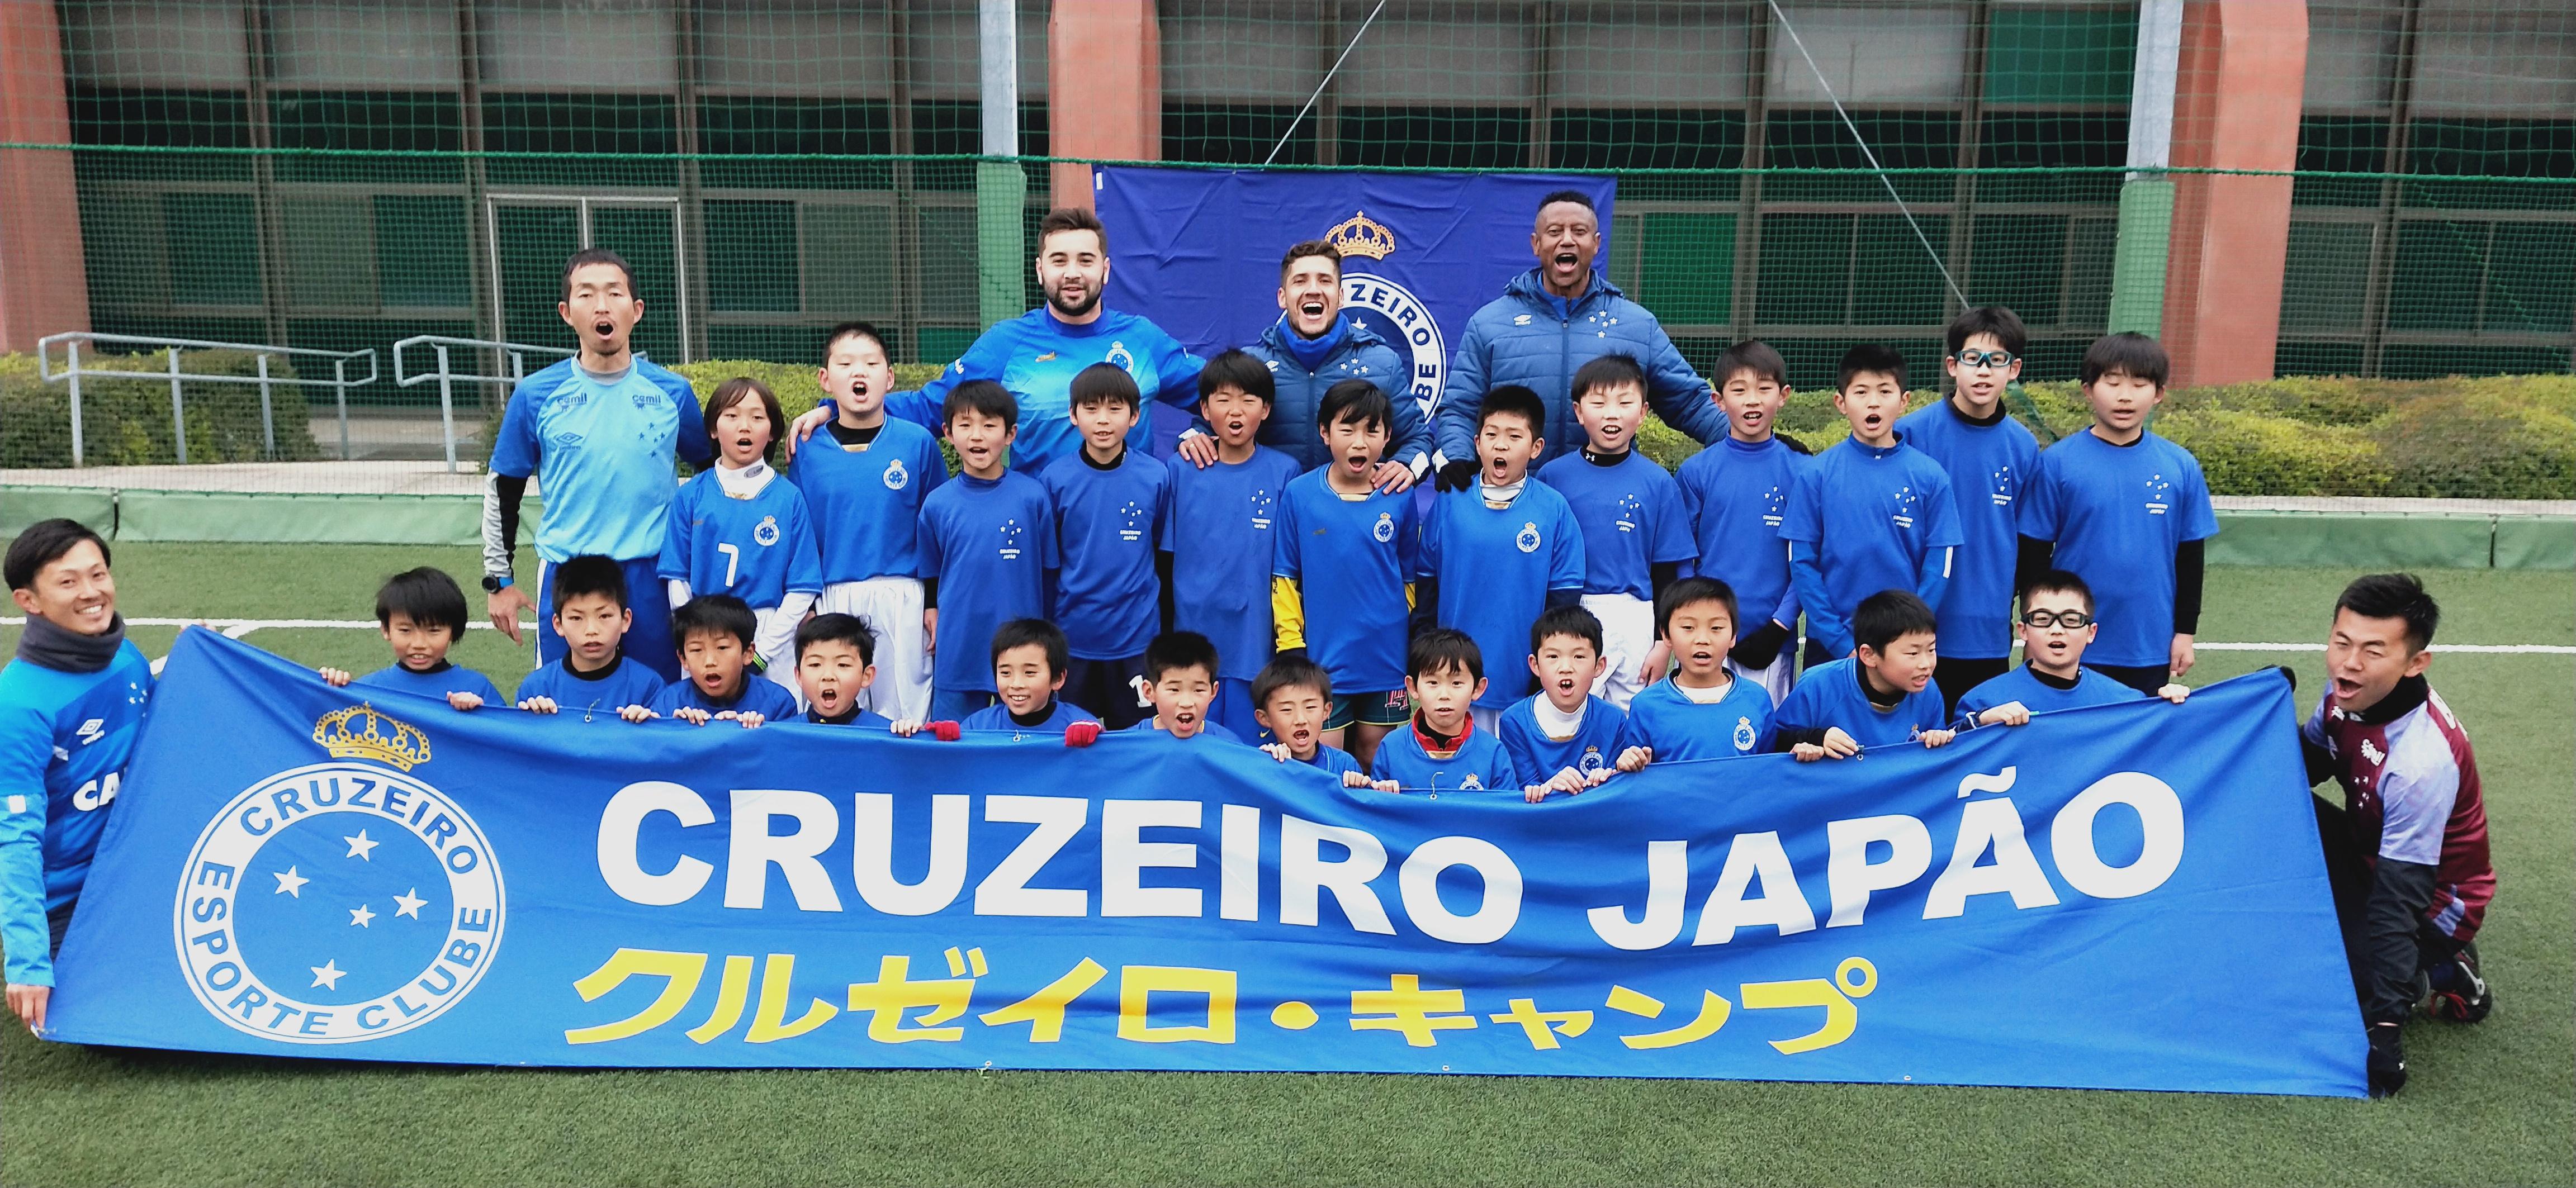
{"x": 1520, "y": 319}
{"x": 91, "y": 731}
{"x": 1048, "y": 357}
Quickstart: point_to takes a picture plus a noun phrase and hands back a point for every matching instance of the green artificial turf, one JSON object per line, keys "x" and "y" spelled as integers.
{"x": 2488, "y": 1104}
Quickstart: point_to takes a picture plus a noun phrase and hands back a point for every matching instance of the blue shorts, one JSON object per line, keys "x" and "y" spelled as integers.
{"x": 648, "y": 638}
{"x": 952, "y": 705}
{"x": 1233, "y": 710}
{"x": 1370, "y": 709}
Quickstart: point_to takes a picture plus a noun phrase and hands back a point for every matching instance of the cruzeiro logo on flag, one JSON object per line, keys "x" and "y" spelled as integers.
{"x": 1383, "y": 304}
{"x": 337, "y": 903}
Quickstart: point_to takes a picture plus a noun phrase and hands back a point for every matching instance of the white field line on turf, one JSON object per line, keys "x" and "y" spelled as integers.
{"x": 237, "y": 628}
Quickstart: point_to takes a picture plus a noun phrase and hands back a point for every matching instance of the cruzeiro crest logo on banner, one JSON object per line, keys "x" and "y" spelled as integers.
{"x": 343, "y": 901}
{"x": 1390, "y": 309}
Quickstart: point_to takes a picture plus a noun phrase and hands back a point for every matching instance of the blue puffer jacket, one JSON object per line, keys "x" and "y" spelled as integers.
{"x": 1533, "y": 338}
{"x": 1291, "y": 428}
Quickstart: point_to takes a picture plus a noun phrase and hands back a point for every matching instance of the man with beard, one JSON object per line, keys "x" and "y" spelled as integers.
{"x": 598, "y": 432}
{"x": 1037, "y": 354}
{"x": 1549, "y": 322}
{"x": 1311, "y": 348}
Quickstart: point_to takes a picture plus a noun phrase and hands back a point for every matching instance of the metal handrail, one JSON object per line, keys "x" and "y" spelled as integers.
{"x": 514, "y": 352}
{"x": 73, "y": 371}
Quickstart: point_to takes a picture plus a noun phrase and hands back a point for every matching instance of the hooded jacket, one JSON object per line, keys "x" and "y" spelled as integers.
{"x": 1531, "y": 337}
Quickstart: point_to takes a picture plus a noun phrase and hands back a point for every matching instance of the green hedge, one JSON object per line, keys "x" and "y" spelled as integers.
{"x": 126, "y": 422}
{"x": 2484, "y": 437}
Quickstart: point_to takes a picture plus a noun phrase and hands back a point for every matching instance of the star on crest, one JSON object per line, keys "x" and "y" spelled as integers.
{"x": 360, "y": 916}
{"x": 328, "y": 974}
{"x": 360, "y": 848}
{"x": 409, "y": 904}
{"x": 289, "y": 882}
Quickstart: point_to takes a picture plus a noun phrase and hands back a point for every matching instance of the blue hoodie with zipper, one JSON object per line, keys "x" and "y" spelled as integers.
{"x": 1531, "y": 337}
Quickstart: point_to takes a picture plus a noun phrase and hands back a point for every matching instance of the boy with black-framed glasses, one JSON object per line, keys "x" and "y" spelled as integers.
{"x": 1988, "y": 456}
{"x": 2056, "y": 624}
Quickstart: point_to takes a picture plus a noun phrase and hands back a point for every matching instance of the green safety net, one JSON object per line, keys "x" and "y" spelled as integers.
{"x": 333, "y": 175}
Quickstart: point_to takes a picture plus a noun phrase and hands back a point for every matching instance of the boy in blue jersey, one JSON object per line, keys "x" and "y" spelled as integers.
{"x": 1872, "y": 514}
{"x": 1500, "y": 550}
{"x": 1705, "y": 711}
{"x": 2129, "y": 512}
{"x": 1562, "y": 738}
{"x": 1878, "y": 695}
{"x": 1636, "y": 533}
{"x": 1296, "y": 695}
{"x": 864, "y": 481}
{"x": 1036, "y": 355}
{"x": 1444, "y": 751}
{"x": 422, "y": 614}
{"x": 1736, "y": 492}
{"x": 1349, "y": 550}
{"x": 738, "y": 529}
{"x": 836, "y": 660}
{"x": 1989, "y": 457}
{"x": 597, "y": 431}
{"x": 1217, "y": 532}
{"x": 987, "y": 545}
{"x": 597, "y": 675}
{"x": 71, "y": 705}
{"x": 2056, "y": 626}
{"x": 716, "y": 633}
{"x": 1109, "y": 503}
{"x": 1180, "y": 668}
{"x": 1029, "y": 660}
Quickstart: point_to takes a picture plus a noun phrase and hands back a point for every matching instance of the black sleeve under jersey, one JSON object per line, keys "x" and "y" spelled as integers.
{"x": 1163, "y": 586}
{"x": 2035, "y": 559}
{"x": 2399, "y": 893}
{"x": 1663, "y": 574}
{"x": 513, "y": 490}
{"x": 930, "y": 593}
{"x": 1426, "y": 605}
{"x": 1790, "y": 736}
{"x": 1570, "y": 596}
{"x": 2189, "y": 559}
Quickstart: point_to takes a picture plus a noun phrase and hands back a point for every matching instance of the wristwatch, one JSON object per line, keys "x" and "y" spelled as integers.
{"x": 493, "y": 584}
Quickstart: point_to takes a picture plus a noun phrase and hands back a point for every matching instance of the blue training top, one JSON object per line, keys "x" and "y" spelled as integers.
{"x": 2117, "y": 513}
{"x": 1591, "y": 749}
{"x": 1665, "y": 719}
{"x": 866, "y": 500}
{"x": 65, "y": 738}
{"x": 627, "y": 682}
{"x": 437, "y": 682}
{"x": 1218, "y": 525}
{"x": 601, "y": 453}
{"x": 756, "y": 549}
{"x": 1988, "y": 464}
{"x": 1830, "y": 695}
{"x": 760, "y": 695}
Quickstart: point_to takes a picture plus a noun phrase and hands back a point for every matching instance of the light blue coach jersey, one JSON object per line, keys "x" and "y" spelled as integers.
{"x": 601, "y": 454}
{"x": 64, "y": 741}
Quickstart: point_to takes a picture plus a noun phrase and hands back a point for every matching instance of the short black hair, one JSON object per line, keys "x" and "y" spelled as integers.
{"x": 984, "y": 396}
{"x": 854, "y": 329}
{"x": 1355, "y": 400}
{"x": 1607, "y": 371}
{"x": 426, "y": 596}
{"x": 2394, "y": 596}
{"x": 1566, "y": 620}
{"x": 1690, "y": 590}
{"x": 2058, "y": 581}
{"x": 714, "y": 614}
{"x": 1304, "y": 248}
{"x": 1577, "y": 197}
{"x": 1513, "y": 400}
{"x": 587, "y": 574}
{"x": 1442, "y": 649}
{"x": 1752, "y": 355}
{"x": 1876, "y": 358}
{"x": 838, "y": 628}
{"x": 1175, "y": 650}
{"x": 1104, "y": 381}
{"x": 1997, "y": 320}
{"x": 43, "y": 543}
{"x": 1020, "y": 633}
{"x": 1890, "y": 615}
{"x": 1237, "y": 368}
{"x": 1071, "y": 218}
{"x": 737, "y": 390}
{"x": 597, "y": 255}
{"x": 1290, "y": 672}
{"x": 2129, "y": 353}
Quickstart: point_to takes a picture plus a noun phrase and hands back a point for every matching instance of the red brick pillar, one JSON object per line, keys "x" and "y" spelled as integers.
{"x": 2236, "y": 106}
{"x": 1104, "y": 89}
{"x": 43, "y": 288}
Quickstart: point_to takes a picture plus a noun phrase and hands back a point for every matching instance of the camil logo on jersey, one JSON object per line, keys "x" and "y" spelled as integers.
{"x": 1384, "y": 305}
{"x": 1528, "y": 541}
{"x": 766, "y": 533}
{"x": 1385, "y": 530}
{"x": 342, "y": 901}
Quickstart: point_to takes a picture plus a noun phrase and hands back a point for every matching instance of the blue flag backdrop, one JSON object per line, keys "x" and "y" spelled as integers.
{"x": 1197, "y": 250}
{"x": 2120, "y": 897}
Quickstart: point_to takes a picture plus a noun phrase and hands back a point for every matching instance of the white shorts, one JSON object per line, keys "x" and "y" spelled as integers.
{"x": 1776, "y": 679}
{"x": 892, "y": 607}
{"x": 1627, "y": 634}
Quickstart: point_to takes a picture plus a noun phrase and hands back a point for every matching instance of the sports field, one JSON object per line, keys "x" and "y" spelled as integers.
{"x": 2487, "y": 1104}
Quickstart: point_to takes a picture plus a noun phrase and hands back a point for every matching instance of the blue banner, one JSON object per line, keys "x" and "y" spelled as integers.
{"x": 1197, "y": 250}
{"x": 2120, "y": 897}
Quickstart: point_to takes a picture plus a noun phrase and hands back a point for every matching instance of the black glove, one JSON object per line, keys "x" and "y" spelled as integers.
{"x": 1758, "y": 650}
{"x": 1458, "y": 476}
{"x": 2386, "y": 1064}
{"x": 1291, "y": 653}
{"x": 2290, "y": 675}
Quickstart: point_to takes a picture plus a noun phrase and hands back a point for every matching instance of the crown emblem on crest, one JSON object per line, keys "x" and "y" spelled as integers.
{"x": 364, "y": 732}
{"x": 1360, "y": 235}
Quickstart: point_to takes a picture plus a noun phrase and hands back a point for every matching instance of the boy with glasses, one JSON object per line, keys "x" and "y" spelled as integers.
{"x": 1988, "y": 456}
{"x": 2056, "y": 624}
